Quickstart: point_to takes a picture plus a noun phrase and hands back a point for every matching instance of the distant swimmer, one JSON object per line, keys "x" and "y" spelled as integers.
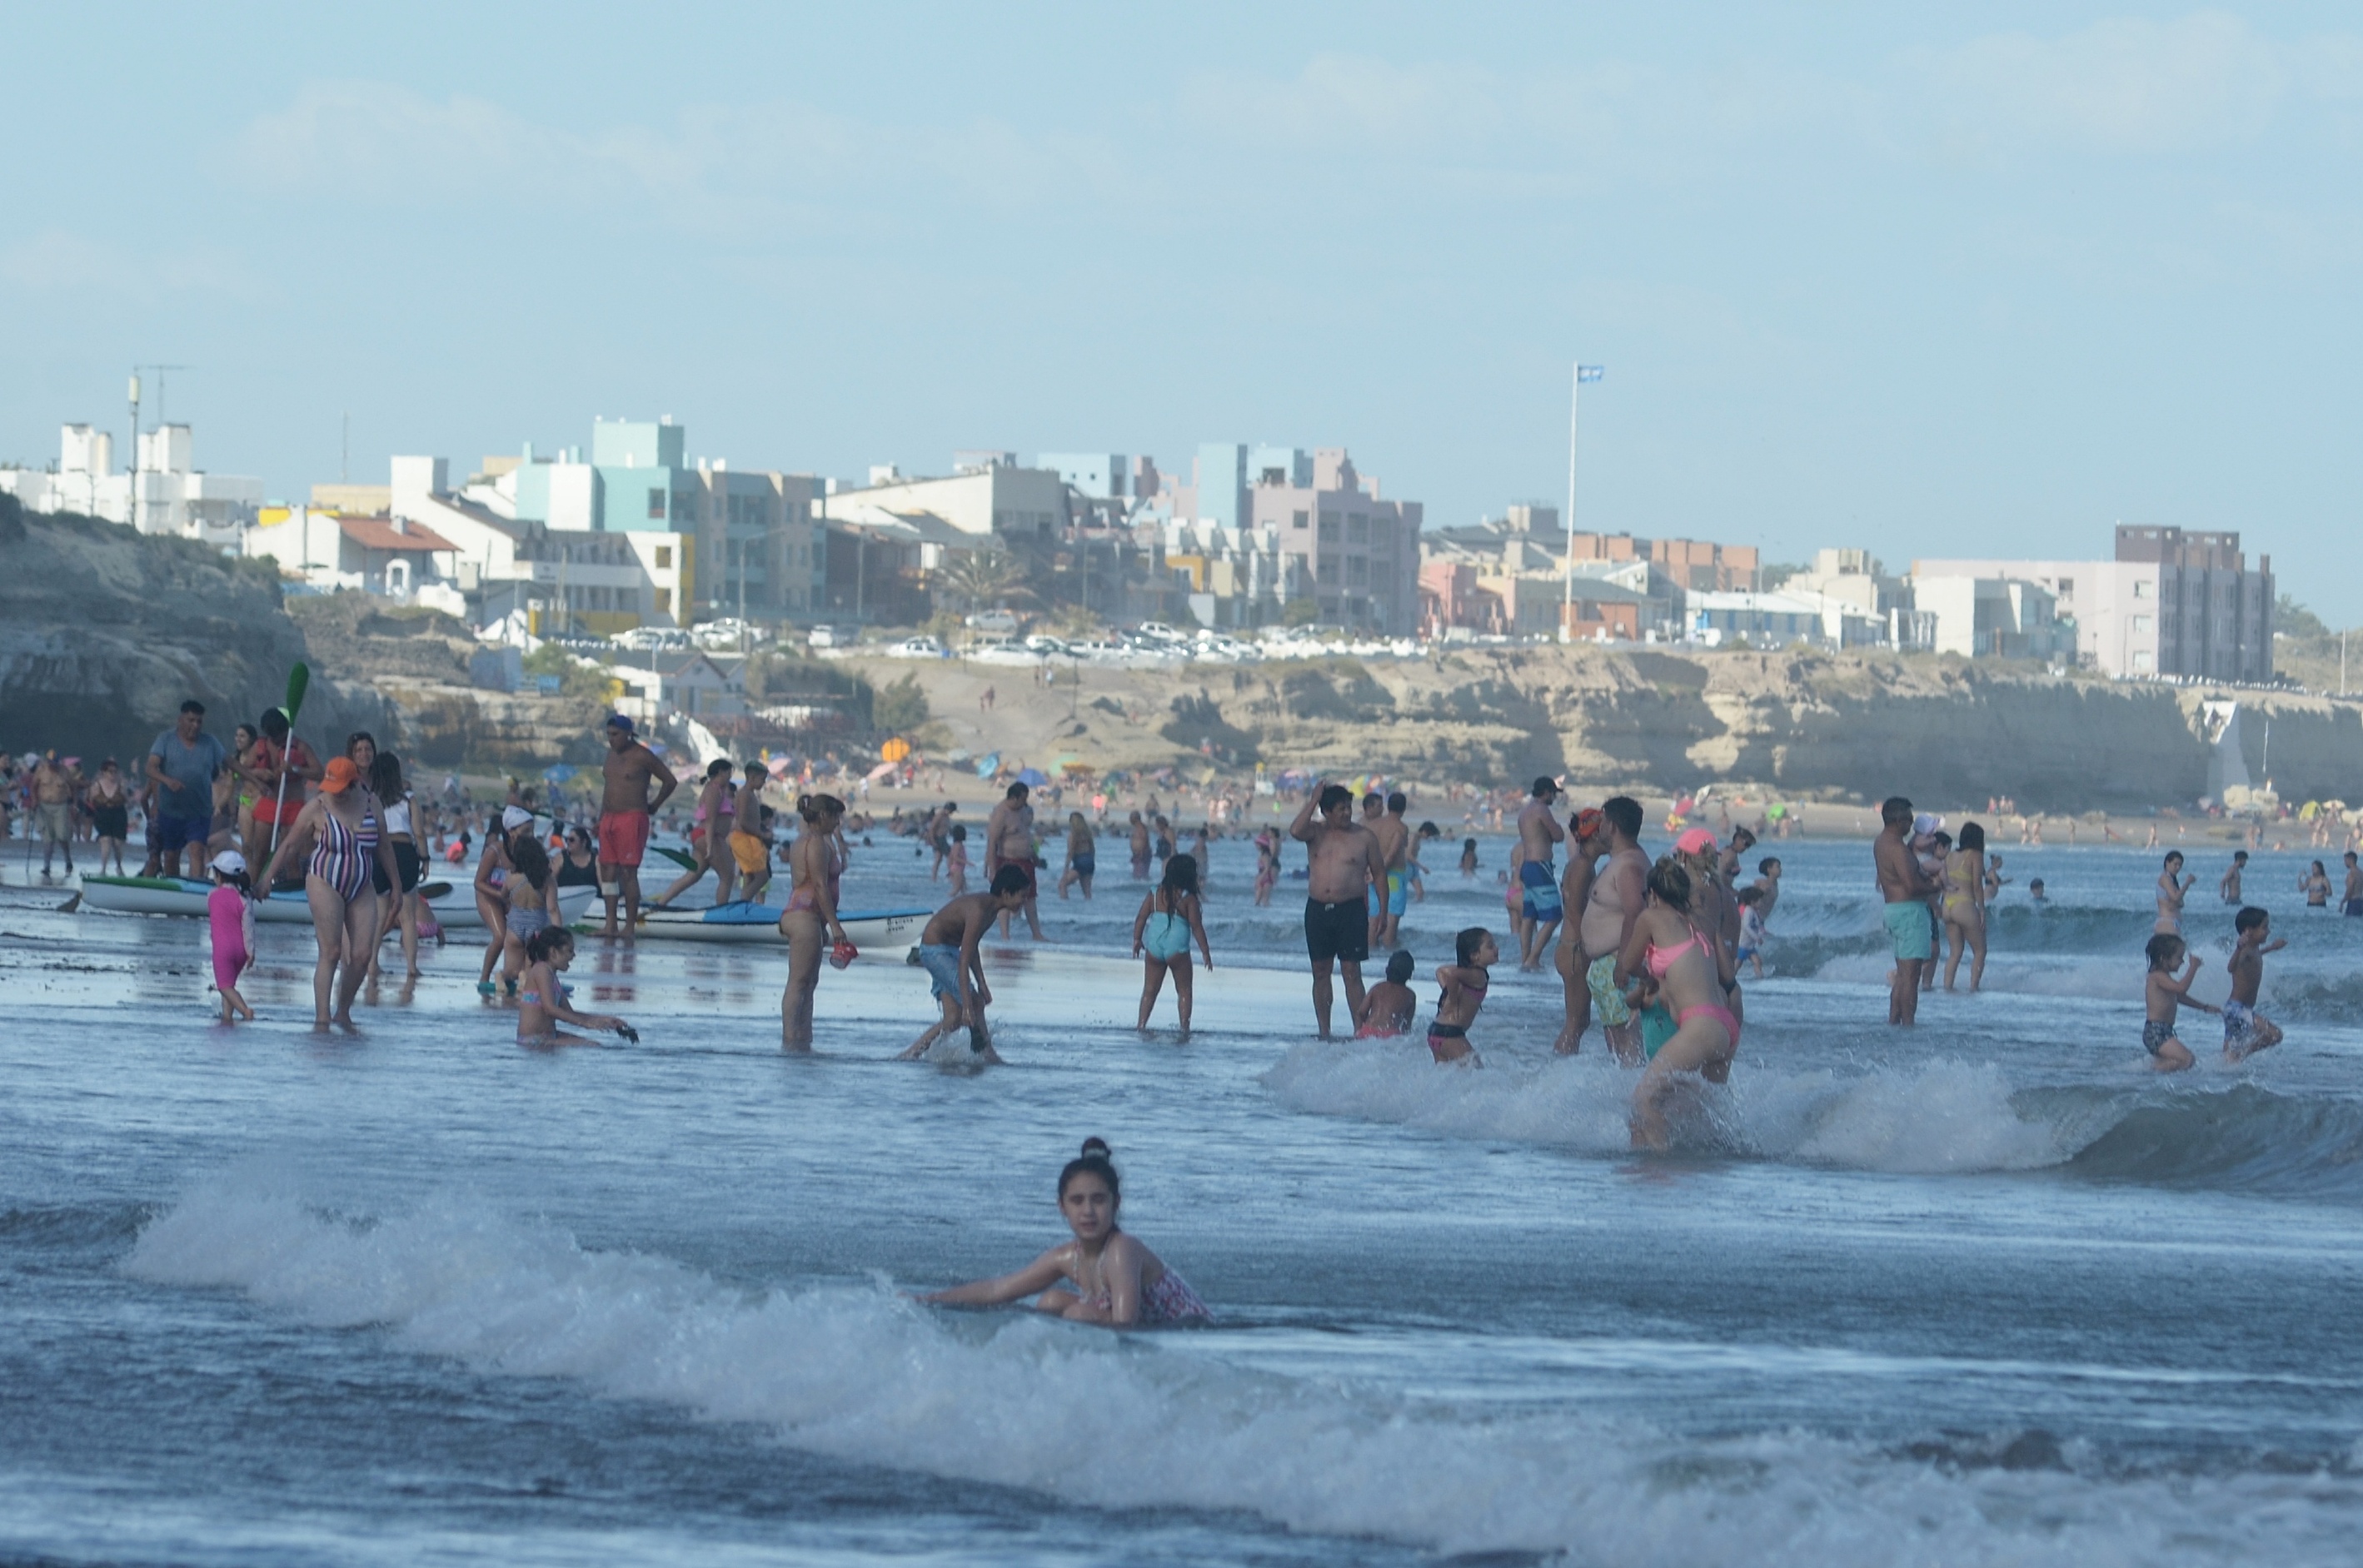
{"x": 1619, "y": 892}
{"x": 1692, "y": 976}
{"x": 625, "y": 808}
{"x": 1082, "y": 855}
{"x": 2246, "y": 1030}
{"x": 1009, "y": 845}
{"x": 1539, "y": 834}
{"x": 809, "y": 922}
{"x": 1906, "y": 889}
{"x": 1168, "y": 920}
{"x": 710, "y": 827}
{"x": 1750, "y": 951}
{"x": 541, "y": 1003}
{"x": 1137, "y": 841}
{"x": 1587, "y": 843}
{"x": 949, "y": 953}
{"x": 1109, "y": 1277}
{"x": 1767, "y": 882}
{"x": 2173, "y": 887}
{"x": 1468, "y": 858}
{"x": 1461, "y": 986}
{"x": 2350, "y": 902}
{"x": 2230, "y": 885}
{"x": 1964, "y": 906}
{"x": 2315, "y": 886}
{"x": 2163, "y": 995}
{"x": 1389, "y": 1007}
{"x": 1346, "y": 864}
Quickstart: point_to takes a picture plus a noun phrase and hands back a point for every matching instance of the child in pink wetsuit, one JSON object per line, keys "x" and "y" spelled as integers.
{"x": 229, "y": 908}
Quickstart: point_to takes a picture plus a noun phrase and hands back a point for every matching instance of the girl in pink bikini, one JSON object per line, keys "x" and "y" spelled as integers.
{"x": 1108, "y": 1277}
{"x": 1694, "y": 977}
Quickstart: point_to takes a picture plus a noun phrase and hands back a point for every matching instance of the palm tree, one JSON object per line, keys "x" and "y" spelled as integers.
{"x": 982, "y": 578}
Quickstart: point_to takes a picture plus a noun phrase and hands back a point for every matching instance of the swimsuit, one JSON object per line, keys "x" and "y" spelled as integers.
{"x": 2155, "y": 1036}
{"x": 943, "y": 966}
{"x": 1542, "y": 900}
{"x": 1166, "y": 936}
{"x": 623, "y": 838}
{"x": 1959, "y": 904}
{"x": 1339, "y": 930}
{"x": 2239, "y": 1026}
{"x": 1660, "y": 959}
{"x": 527, "y": 923}
{"x": 1397, "y": 899}
{"x": 1169, "y": 1300}
{"x": 803, "y": 899}
{"x": 1607, "y": 1001}
{"x": 1082, "y": 865}
{"x": 1909, "y": 929}
{"x": 343, "y": 855}
{"x": 225, "y": 909}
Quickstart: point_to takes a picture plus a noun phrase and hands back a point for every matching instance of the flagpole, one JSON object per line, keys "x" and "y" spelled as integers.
{"x": 1574, "y": 409}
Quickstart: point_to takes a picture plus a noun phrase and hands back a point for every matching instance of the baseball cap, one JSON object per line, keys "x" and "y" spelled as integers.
{"x": 342, "y": 774}
{"x": 1587, "y": 822}
{"x": 1698, "y": 841}
{"x": 620, "y": 721}
{"x": 514, "y": 817}
{"x": 230, "y": 862}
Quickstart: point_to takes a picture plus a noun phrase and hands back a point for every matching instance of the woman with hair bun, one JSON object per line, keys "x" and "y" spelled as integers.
{"x": 1104, "y": 1276}
{"x": 815, "y": 866}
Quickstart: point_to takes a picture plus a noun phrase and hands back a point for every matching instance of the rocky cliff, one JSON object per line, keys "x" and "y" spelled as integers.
{"x": 104, "y": 633}
{"x": 1803, "y": 725}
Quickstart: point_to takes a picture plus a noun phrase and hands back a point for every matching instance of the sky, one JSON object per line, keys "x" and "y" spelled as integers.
{"x": 1925, "y": 280}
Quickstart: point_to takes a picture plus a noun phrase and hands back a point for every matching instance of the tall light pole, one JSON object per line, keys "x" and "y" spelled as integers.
{"x": 1574, "y": 409}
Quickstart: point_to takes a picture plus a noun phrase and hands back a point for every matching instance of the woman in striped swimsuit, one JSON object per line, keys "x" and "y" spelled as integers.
{"x": 339, "y": 826}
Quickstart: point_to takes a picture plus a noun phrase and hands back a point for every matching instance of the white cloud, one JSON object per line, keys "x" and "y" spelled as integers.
{"x": 59, "y": 260}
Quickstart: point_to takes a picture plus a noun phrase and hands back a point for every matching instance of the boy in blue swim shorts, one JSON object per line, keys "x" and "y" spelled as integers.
{"x": 1906, "y": 888}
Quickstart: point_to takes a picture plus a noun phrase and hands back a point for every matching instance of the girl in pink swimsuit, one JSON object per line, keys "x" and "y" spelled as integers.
{"x": 1694, "y": 979}
{"x": 1108, "y": 1277}
{"x": 229, "y": 910}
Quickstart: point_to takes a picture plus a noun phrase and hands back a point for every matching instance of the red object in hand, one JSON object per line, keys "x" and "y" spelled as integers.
{"x": 841, "y": 954}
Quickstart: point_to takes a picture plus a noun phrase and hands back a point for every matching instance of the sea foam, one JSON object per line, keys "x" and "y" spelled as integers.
{"x": 1094, "y": 1419}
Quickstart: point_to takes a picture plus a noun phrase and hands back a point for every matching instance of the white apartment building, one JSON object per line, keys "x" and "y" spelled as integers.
{"x": 164, "y": 493}
{"x": 988, "y": 495}
{"x": 2171, "y": 604}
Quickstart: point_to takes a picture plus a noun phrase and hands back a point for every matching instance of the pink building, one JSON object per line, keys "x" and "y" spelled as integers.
{"x": 1361, "y": 554}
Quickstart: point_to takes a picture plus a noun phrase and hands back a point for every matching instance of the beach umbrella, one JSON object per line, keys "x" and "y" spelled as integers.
{"x": 299, "y": 681}
{"x": 1032, "y": 778}
{"x": 558, "y": 772}
{"x": 778, "y": 767}
{"x": 879, "y": 772}
{"x": 895, "y": 750}
{"x": 987, "y": 764}
{"x": 1776, "y": 812}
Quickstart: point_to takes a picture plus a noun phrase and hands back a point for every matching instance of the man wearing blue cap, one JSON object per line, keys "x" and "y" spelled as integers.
{"x": 624, "y": 808}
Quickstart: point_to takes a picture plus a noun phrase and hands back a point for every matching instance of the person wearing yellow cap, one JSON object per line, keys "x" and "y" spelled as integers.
{"x": 340, "y": 828}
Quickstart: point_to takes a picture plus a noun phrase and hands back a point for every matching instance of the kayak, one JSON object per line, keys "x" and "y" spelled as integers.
{"x": 453, "y": 903}
{"x": 743, "y": 921}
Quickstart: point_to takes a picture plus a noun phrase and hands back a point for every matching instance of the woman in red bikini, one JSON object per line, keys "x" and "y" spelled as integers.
{"x": 1694, "y": 979}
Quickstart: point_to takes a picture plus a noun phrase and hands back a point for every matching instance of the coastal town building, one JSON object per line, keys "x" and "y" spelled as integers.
{"x": 164, "y": 493}
{"x": 2171, "y": 604}
{"x": 1760, "y": 619}
{"x": 1652, "y": 577}
{"x": 1356, "y": 554}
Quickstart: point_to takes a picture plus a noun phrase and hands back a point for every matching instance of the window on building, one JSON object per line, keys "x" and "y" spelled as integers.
{"x": 1328, "y": 526}
{"x": 2139, "y": 626}
{"x": 664, "y": 600}
{"x": 1358, "y": 529}
{"x": 2142, "y": 659}
{"x": 1358, "y": 569}
{"x": 2141, "y": 588}
{"x": 1327, "y": 572}
{"x": 1299, "y": 519}
{"x": 656, "y": 503}
{"x": 664, "y": 557}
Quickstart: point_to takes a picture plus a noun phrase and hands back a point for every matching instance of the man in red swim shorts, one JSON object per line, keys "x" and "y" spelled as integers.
{"x": 624, "y": 812}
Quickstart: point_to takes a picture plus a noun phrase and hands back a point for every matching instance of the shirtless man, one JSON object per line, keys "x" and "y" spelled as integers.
{"x": 1539, "y": 834}
{"x": 2350, "y": 902}
{"x": 948, "y": 952}
{"x": 1619, "y": 889}
{"x": 1138, "y": 839}
{"x": 1392, "y": 897}
{"x": 55, "y": 784}
{"x": 2230, "y": 885}
{"x": 1906, "y": 889}
{"x": 938, "y": 833}
{"x": 625, "y": 808}
{"x": 1009, "y": 841}
{"x": 1587, "y": 842}
{"x": 1346, "y": 864}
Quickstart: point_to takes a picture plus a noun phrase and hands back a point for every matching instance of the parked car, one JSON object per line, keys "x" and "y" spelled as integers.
{"x": 826, "y": 637}
{"x": 1049, "y": 646}
{"x": 992, "y": 621}
{"x": 918, "y": 648}
{"x": 1159, "y": 632}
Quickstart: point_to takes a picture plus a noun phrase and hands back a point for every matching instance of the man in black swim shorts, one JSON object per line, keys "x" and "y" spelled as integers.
{"x": 1347, "y": 861}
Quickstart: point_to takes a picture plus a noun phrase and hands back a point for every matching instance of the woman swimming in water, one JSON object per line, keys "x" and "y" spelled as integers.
{"x": 542, "y": 1005}
{"x": 1115, "y": 1280}
{"x": 1689, "y": 974}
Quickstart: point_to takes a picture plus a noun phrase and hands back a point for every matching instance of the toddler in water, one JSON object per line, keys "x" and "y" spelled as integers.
{"x": 1463, "y": 986}
{"x": 542, "y": 1005}
{"x": 1162, "y": 933}
{"x": 1389, "y": 1007}
{"x": 1768, "y": 883}
{"x": 1468, "y": 858}
{"x": 1751, "y": 929}
{"x": 955, "y": 862}
{"x": 229, "y": 908}
{"x": 2165, "y": 994}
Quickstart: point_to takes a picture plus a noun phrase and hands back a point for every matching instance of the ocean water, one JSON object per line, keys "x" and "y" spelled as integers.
{"x": 1984, "y": 1293}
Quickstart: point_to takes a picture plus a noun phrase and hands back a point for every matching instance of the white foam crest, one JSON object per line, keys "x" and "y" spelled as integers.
{"x": 1093, "y": 1418}
{"x": 2102, "y": 977}
{"x": 1936, "y": 1116}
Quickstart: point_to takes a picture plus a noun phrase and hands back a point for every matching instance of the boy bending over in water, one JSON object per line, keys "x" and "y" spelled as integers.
{"x": 542, "y": 1005}
{"x": 1463, "y": 992}
{"x": 947, "y": 952}
{"x": 2245, "y": 1031}
{"x": 1388, "y": 1007}
{"x": 2164, "y": 995}
{"x": 1115, "y": 1281}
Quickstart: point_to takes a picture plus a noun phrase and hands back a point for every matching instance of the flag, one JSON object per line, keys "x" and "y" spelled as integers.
{"x": 1589, "y": 372}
